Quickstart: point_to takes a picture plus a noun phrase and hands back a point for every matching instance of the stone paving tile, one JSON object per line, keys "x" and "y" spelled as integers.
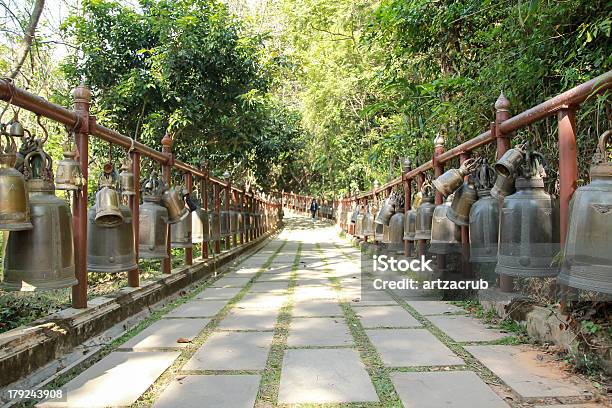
{"x": 210, "y": 391}
{"x": 243, "y": 272}
{"x": 411, "y": 347}
{"x": 274, "y": 277}
{"x": 231, "y": 282}
{"x": 198, "y": 308}
{"x": 324, "y": 376}
{"x": 218, "y": 293}
{"x": 164, "y": 333}
{"x": 318, "y": 331}
{"x": 529, "y": 373}
{"x": 453, "y": 389}
{"x": 245, "y": 319}
{"x": 232, "y": 351}
{"x": 320, "y": 308}
{"x": 119, "y": 379}
{"x": 434, "y": 307}
{"x": 587, "y": 405}
{"x": 386, "y": 316}
{"x": 465, "y": 328}
{"x": 253, "y": 301}
{"x": 314, "y": 292}
{"x": 269, "y": 287}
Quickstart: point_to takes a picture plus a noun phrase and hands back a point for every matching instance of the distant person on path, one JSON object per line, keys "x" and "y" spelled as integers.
{"x": 313, "y": 208}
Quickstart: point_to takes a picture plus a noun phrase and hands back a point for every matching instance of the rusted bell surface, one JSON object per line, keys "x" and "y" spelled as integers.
{"x": 445, "y": 234}
{"x": 108, "y": 213}
{"x": 69, "y": 175}
{"x": 174, "y": 202}
{"x": 41, "y": 258}
{"x": 409, "y": 225}
{"x": 484, "y": 220}
{"x": 111, "y": 250}
{"x": 396, "y": 232}
{"x": 465, "y": 197}
{"x": 587, "y": 262}
{"x": 452, "y": 179}
{"x": 180, "y": 234}
{"x": 153, "y": 230}
{"x": 14, "y": 205}
{"x": 424, "y": 215}
{"x": 528, "y": 229}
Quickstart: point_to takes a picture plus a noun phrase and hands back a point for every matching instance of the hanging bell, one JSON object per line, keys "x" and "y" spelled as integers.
{"x": 200, "y": 227}
{"x": 409, "y": 225}
{"x": 529, "y": 226}
{"x": 153, "y": 230}
{"x": 180, "y": 234}
{"x": 445, "y": 234}
{"x": 111, "y": 250}
{"x": 387, "y": 210}
{"x": 108, "y": 213}
{"x": 69, "y": 175}
{"x": 215, "y": 228}
{"x": 396, "y": 232}
{"x": 173, "y": 200}
{"x": 465, "y": 197}
{"x": 424, "y": 214}
{"x": 369, "y": 226}
{"x": 484, "y": 220}
{"x": 127, "y": 183}
{"x": 504, "y": 186}
{"x": 41, "y": 258}
{"x": 225, "y": 223}
{"x": 511, "y": 161}
{"x": 587, "y": 262}
{"x": 452, "y": 179}
{"x": 233, "y": 219}
{"x": 16, "y": 128}
{"x": 14, "y": 206}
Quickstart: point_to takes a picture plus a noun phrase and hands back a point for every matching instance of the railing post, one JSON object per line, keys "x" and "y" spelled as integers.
{"x": 236, "y": 209}
{"x": 466, "y": 266}
{"x": 204, "y": 182}
{"x": 227, "y": 207}
{"x": 438, "y": 170}
{"x": 217, "y": 209}
{"x": 243, "y": 237}
{"x": 502, "y": 113}
{"x": 133, "y": 275}
{"x": 189, "y": 251}
{"x": 407, "y": 166}
{"x": 82, "y": 98}
{"x": 166, "y": 142}
{"x": 421, "y": 242}
{"x": 568, "y": 165}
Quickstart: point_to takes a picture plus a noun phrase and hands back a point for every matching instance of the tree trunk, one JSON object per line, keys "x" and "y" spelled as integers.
{"x": 28, "y": 37}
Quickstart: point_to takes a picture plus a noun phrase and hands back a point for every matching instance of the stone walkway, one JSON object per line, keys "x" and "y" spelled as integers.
{"x": 287, "y": 326}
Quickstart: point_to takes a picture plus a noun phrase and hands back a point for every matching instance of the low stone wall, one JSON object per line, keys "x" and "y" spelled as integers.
{"x": 27, "y": 348}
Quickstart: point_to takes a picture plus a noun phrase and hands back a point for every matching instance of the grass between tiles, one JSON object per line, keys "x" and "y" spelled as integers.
{"x": 270, "y": 379}
{"x": 185, "y": 296}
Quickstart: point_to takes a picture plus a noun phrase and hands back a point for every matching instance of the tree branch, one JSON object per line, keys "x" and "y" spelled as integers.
{"x": 26, "y": 43}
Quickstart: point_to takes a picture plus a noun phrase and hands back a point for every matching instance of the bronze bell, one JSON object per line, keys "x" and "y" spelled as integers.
{"x": 445, "y": 234}
{"x": 396, "y": 232}
{"x": 424, "y": 214}
{"x": 180, "y": 234}
{"x": 16, "y": 128}
{"x": 108, "y": 213}
{"x": 14, "y": 205}
{"x": 215, "y": 228}
{"x": 127, "y": 184}
{"x": 200, "y": 226}
{"x": 233, "y": 220}
{"x": 153, "y": 230}
{"x": 409, "y": 225}
{"x": 359, "y": 220}
{"x": 387, "y": 210}
{"x": 484, "y": 220}
{"x": 174, "y": 200}
{"x": 369, "y": 226}
{"x": 587, "y": 261}
{"x": 529, "y": 226}
{"x": 511, "y": 161}
{"x": 69, "y": 175}
{"x": 452, "y": 179}
{"x": 225, "y": 223}
{"x": 465, "y": 197}
{"x": 41, "y": 258}
{"x": 111, "y": 250}
{"x": 504, "y": 186}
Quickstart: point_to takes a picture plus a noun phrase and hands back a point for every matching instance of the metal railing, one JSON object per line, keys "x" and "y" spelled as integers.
{"x": 85, "y": 126}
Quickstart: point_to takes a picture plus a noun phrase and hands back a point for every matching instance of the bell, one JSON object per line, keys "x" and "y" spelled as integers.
{"x": 111, "y": 250}
{"x": 484, "y": 220}
{"x": 504, "y": 186}
{"x": 108, "y": 213}
{"x": 16, "y": 129}
{"x": 69, "y": 175}
{"x": 41, "y": 258}
{"x": 127, "y": 184}
{"x": 233, "y": 220}
{"x": 153, "y": 230}
{"x": 225, "y": 223}
{"x": 396, "y": 232}
{"x": 387, "y": 210}
{"x": 511, "y": 161}
{"x": 587, "y": 261}
{"x": 180, "y": 234}
{"x": 409, "y": 225}
{"x": 355, "y": 214}
{"x": 369, "y": 226}
{"x": 450, "y": 181}
{"x": 528, "y": 227}
{"x": 465, "y": 197}
{"x": 425, "y": 214}
{"x": 359, "y": 221}
{"x": 214, "y": 226}
{"x": 14, "y": 206}
{"x": 386, "y": 239}
{"x": 445, "y": 234}
{"x": 173, "y": 200}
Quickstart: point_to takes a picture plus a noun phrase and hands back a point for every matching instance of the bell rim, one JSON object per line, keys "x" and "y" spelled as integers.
{"x": 66, "y": 186}
{"x": 20, "y": 226}
{"x": 58, "y": 284}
